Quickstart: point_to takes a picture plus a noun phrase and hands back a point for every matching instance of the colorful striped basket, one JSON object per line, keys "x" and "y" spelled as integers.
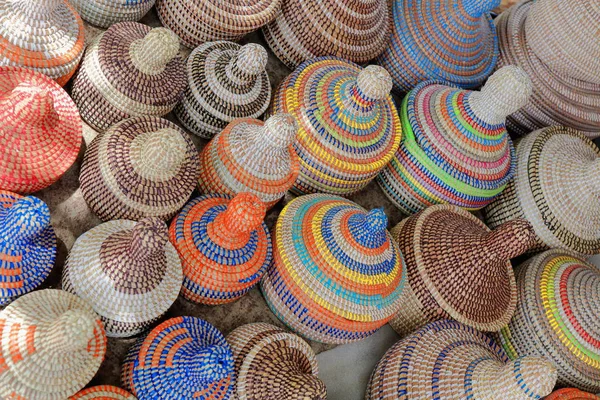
{"x": 455, "y": 149}
{"x": 226, "y": 81}
{"x": 571, "y": 394}
{"x": 224, "y": 246}
{"x": 104, "y": 13}
{"x": 448, "y": 40}
{"x": 355, "y": 30}
{"x": 556, "y": 188}
{"x": 183, "y": 358}
{"x": 200, "y": 21}
{"x": 140, "y": 167}
{"x": 51, "y": 345}
{"x": 348, "y": 124}
{"x": 446, "y": 360}
{"x": 43, "y": 35}
{"x": 458, "y": 269}
{"x": 27, "y": 245}
{"x": 127, "y": 271}
{"x": 40, "y": 130}
{"x": 337, "y": 275}
{"x": 557, "y": 317}
{"x": 131, "y": 70}
{"x": 104, "y": 392}
{"x": 271, "y": 363}
{"x": 252, "y": 156}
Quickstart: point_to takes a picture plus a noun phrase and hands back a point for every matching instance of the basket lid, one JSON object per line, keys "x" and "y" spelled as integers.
{"x": 103, "y": 392}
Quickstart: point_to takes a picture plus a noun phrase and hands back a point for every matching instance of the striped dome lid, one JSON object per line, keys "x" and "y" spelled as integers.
{"x": 337, "y": 275}
{"x": 43, "y": 35}
{"x": 450, "y": 361}
{"x": 557, "y": 317}
{"x": 40, "y": 133}
{"x": 252, "y": 156}
{"x": 183, "y": 358}
{"x": 27, "y": 245}
{"x": 51, "y": 345}
{"x": 104, "y": 13}
{"x": 127, "y": 271}
{"x": 348, "y": 124}
{"x": 450, "y": 40}
{"x": 140, "y": 167}
{"x": 104, "y": 392}
{"x": 226, "y": 81}
{"x": 571, "y": 394}
{"x": 456, "y": 148}
{"x": 224, "y": 245}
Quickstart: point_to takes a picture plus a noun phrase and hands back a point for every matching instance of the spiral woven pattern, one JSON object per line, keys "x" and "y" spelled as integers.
{"x": 446, "y": 360}
{"x": 104, "y": 392}
{"x": 355, "y": 30}
{"x": 40, "y": 133}
{"x": 224, "y": 245}
{"x": 271, "y": 363}
{"x": 141, "y": 167}
{"x": 348, "y": 125}
{"x": 27, "y": 245}
{"x": 183, "y": 358}
{"x": 571, "y": 394}
{"x": 557, "y": 317}
{"x": 52, "y": 344}
{"x": 104, "y": 13}
{"x": 337, "y": 275}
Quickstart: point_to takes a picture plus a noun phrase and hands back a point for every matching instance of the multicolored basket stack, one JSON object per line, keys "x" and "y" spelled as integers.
{"x": 127, "y": 271}
{"x": 455, "y": 148}
{"x": 104, "y": 392}
{"x": 557, "y": 317}
{"x": 556, "y": 42}
{"x": 131, "y": 70}
{"x": 271, "y": 363}
{"x": 556, "y": 188}
{"x": 140, "y": 167}
{"x": 226, "y": 81}
{"x": 450, "y": 361}
{"x": 27, "y": 245}
{"x": 448, "y": 40}
{"x": 40, "y": 130}
{"x": 200, "y": 21}
{"x": 43, "y": 35}
{"x": 52, "y": 344}
{"x": 348, "y": 124}
{"x": 571, "y": 394}
{"x": 458, "y": 269}
{"x": 183, "y": 358}
{"x": 337, "y": 275}
{"x": 252, "y": 156}
{"x": 355, "y": 30}
{"x": 224, "y": 246}
{"x": 104, "y": 13}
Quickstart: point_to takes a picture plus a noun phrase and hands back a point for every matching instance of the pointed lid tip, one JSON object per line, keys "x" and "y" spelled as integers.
{"x": 149, "y": 236}
{"x": 377, "y": 221}
{"x": 153, "y": 52}
{"x": 77, "y": 328}
{"x": 36, "y": 98}
{"x": 252, "y": 59}
{"x": 536, "y": 375}
{"x": 374, "y": 82}
{"x": 281, "y": 129}
{"x": 246, "y": 211}
{"x": 510, "y": 240}
{"x": 26, "y": 218}
{"x": 164, "y": 150}
{"x": 476, "y": 8}
{"x": 211, "y": 363}
{"x": 510, "y": 87}
{"x": 301, "y": 386}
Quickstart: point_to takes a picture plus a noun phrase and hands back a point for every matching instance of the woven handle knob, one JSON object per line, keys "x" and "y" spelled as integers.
{"x": 69, "y": 333}
{"x": 30, "y": 103}
{"x": 510, "y": 240}
{"x": 251, "y": 59}
{"x": 26, "y": 219}
{"x": 151, "y": 54}
{"x": 148, "y": 238}
{"x": 279, "y": 132}
{"x": 374, "y": 83}
{"x": 209, "y": 364}
{"x": 164, "y": 150}
{"x": 532, "y": 377}
{"x": 300, "y": 386}
{"x": 476, "y": 8}
{"x": 244, "y": 214}
{"x": 370, "y": 229}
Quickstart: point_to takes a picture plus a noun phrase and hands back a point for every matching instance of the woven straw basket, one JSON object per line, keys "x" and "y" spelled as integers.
{"x": 104, "y": 392}
{"x": 571, "y": 394}
{"x": 104, "y": 13}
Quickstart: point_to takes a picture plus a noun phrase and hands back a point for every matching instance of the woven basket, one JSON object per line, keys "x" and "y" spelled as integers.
{"x": 127, "y": 271}
{"x": 183, "y": 358}
{"x": 556, "y": 189}
{"x": 271, "y": 363}
{"x": 571, "y": 394}
{"x": 557, "y": 98}
{"x": 104, "y": 392}
{"x": 224, "y": 246}
{"x": 456, "y": 149}
{"x": 226, "y": 81}
{"x": 200, "y": 21}
{"x": 52, "y": 344}
{"x": 141, "y": 167}
{"x": 40, "y": 130}
{"x": 252, "y": 156}
{"x": 337, "y": 276}
{"x": 348, "y": 124}
{"x": 27, "y": 245}
{"x": 450, "y": 361}
{"x": 441, "y": 40}
{"x": 557, "y": 317}
{"x": 43, "y": 35}
{"x": 131, "y": 70}
{"x": 104, "y": 13}
{"x": 458, "y": 269}
{"x": 355, "y": 30}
